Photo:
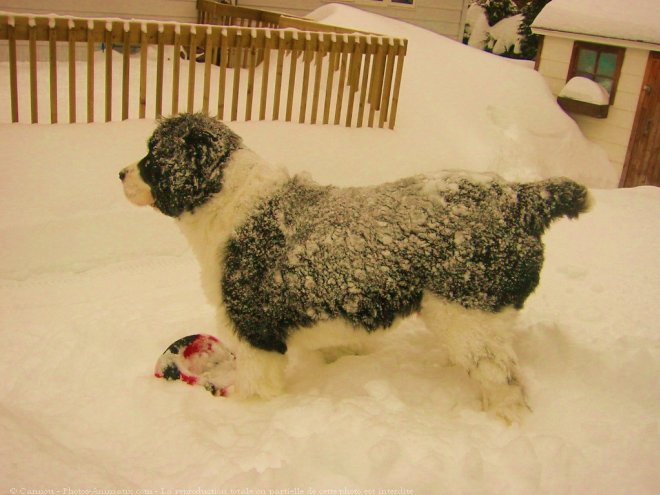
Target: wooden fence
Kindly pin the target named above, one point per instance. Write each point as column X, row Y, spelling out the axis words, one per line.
column 259, row 65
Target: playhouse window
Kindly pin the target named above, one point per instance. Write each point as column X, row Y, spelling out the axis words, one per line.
column 600, row 63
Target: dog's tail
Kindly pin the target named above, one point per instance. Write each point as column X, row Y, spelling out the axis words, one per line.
column 541, row 202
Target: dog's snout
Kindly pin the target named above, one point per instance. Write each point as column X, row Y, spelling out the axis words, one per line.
column 122, row 174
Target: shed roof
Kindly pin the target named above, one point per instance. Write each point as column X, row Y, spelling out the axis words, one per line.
column 632, row 20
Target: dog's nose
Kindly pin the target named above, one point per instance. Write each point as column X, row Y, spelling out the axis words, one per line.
column 122, row 174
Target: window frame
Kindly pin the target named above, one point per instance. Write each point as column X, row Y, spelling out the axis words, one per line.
column 599, row 48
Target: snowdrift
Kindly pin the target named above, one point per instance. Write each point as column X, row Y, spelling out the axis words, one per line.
column 92, row 290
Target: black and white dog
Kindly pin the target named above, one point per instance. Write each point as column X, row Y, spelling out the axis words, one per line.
column 288, row 262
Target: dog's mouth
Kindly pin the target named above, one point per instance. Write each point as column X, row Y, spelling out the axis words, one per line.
column 136, row 190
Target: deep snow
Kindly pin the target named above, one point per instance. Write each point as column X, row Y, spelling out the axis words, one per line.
column 92, row 290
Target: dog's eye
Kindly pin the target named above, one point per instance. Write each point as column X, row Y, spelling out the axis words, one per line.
column 148, row 170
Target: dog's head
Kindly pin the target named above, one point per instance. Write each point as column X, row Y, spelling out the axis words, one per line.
column 184, row 166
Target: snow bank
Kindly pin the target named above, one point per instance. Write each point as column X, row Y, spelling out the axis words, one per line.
column 92, row 290
column 459, row 108
column 637, row 20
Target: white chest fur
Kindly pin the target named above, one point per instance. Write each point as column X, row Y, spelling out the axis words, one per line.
column 247, row 179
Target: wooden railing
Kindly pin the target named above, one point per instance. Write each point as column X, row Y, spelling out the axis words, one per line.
column 269, row 66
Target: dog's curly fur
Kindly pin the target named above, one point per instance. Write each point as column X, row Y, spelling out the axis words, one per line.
column 282, row 254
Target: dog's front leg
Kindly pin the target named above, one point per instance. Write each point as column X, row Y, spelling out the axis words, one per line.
column 258, row 372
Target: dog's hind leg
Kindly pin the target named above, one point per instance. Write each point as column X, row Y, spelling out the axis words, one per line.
column 479, row 341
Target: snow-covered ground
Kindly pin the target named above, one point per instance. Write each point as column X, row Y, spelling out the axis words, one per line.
column 92, row 290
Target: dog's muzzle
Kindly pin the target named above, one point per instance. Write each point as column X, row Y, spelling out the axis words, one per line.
column 136, row 190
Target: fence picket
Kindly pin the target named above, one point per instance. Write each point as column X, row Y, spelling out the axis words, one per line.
column 108, row 72
column 192, row 57
column 308, row 55
column 328, row 87
column 292, row 83
column 52, row 61
column 90, row 71
column 353, row 79
column 317, row 79
column 397, row 84
column 341, row 88
column 72, row 70
column 224, row 56
column 34, row 99
column 237, row 57
column 126, row 71
column 265, row 70
column 176, row 69
column 252, row 59
column 387, row 84
column 208, row 56
column 365, row 84
column 144, row 45
column 278, row 75
column 13, row 70
column 160, row 58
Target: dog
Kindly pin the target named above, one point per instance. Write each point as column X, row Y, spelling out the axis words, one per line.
column 291, row 263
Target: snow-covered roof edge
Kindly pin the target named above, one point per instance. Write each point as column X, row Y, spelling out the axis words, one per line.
column 607, row 21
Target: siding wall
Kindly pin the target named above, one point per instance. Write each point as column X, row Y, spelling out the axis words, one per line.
column 174, row 10
column 612, row 133
column 444, row 17
column 441, row 16
column 160, row 10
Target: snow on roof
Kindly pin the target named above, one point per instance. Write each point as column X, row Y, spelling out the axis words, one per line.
column 633, row 20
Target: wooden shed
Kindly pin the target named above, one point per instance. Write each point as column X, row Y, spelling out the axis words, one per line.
column 615, row 46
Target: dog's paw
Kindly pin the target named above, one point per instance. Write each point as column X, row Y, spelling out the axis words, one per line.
column 259, row 373
column 507, row 402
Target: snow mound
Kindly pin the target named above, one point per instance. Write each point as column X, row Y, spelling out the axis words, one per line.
column 586, row 90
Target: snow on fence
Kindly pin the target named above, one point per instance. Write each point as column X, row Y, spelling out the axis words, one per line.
column 262, row 63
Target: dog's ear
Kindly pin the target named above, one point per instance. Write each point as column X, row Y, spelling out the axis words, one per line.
column 198, row 137
column 202, row 147
column 208, row 144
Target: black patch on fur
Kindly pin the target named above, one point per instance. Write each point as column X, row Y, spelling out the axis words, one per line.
column 185, row 163
column 311, row 253
column 171, row 372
